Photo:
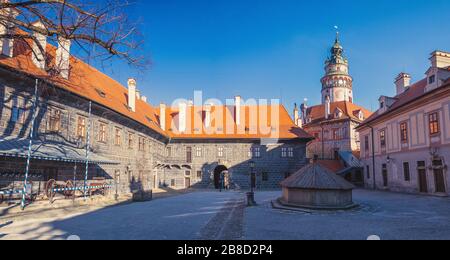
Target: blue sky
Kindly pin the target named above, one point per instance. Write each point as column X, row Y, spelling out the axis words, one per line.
column 276, row 49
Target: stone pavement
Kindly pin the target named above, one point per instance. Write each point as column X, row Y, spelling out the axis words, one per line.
column 212, row 215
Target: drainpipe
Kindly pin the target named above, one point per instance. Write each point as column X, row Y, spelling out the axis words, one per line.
column 373, row 157
column 323, row 142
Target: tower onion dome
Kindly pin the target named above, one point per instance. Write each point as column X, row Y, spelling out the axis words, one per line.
column 337, row 52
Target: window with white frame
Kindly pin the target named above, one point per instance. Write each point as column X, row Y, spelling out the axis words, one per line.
column 291, row 152
column 220, row 151
column 283, row 152
column 198, row 152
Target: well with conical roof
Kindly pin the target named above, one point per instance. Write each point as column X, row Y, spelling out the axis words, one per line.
column 315, row 187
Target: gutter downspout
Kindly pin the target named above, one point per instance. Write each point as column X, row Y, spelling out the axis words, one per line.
column 373, row 157
column 323, row 142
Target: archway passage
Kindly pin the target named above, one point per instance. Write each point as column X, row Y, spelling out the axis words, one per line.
column 217, row 175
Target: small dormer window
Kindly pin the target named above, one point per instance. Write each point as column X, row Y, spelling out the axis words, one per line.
column 381, row 105
column 432, row 79
column 361, row 115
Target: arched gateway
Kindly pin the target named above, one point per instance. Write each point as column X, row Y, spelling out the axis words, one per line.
column 218, row 171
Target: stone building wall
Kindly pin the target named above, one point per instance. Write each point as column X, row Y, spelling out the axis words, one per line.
column 270, row 167
column 134, row 165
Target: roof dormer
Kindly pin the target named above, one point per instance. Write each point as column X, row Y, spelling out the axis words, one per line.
column 439, row 71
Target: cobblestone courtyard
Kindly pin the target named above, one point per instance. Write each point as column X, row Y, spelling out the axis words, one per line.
column 214, row 215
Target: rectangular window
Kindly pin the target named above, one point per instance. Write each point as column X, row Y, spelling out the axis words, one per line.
column 142, row 144
column 102, row 133
column 256, row 152
column 118, row 137
column 383, row 138
column 434, row 123
column 220, row 152
column 199, row 174
column 404, row 132
column 17, row 111
column 265, row 176
column 336, row 134
column 283, row 152
column 187, row 173
column 198, row 152
column 54, row 120
column 169, row 151
column 368, row 172
column 406, row 171
column 291, row 152
column 81, row 127
column 432, row 79
column 130, row 140
column 172, row 182
column 366, row 143
column 188, row 154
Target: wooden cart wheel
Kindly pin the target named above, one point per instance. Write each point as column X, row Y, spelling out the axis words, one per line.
column 69, row 193
column 49, row 189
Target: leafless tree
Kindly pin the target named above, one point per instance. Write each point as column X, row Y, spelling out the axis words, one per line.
column 100, row 28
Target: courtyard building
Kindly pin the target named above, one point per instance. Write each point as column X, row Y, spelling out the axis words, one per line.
column 406, row 143
column 83, row 118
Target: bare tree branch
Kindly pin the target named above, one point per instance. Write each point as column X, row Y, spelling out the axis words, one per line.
column 99, row 28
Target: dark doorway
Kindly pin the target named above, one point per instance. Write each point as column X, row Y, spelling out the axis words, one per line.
column 385, row 176
column 187, row 182
column 422, row 174
column 439, row 178
column 217, row 175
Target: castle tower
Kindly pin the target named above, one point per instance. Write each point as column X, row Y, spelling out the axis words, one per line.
column 337, row 83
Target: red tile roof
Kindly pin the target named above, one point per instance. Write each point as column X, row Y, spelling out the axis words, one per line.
column 349, row 110
column 414, row 92
column 88, row 82
column 253, row 123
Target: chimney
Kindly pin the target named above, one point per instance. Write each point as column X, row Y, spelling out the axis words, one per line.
column 402, row 82
column 327, row 107
column 208, row 109
column 304, row 109
column 296, row 115
column 144, row 98
column 440, row 59
column 191, row 103
column 6, row 44
column 132, row 94
column 138, row 94
column 162, row 116
column 39, row 58
column 238, row 104
column 182, row 117
column 63, row 57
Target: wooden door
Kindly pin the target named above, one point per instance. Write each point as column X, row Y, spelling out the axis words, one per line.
column 187, row 182
column 439, row 180
column 423, row 185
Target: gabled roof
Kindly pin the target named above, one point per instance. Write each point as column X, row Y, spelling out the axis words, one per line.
column 349, row 110
column 89, row 83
